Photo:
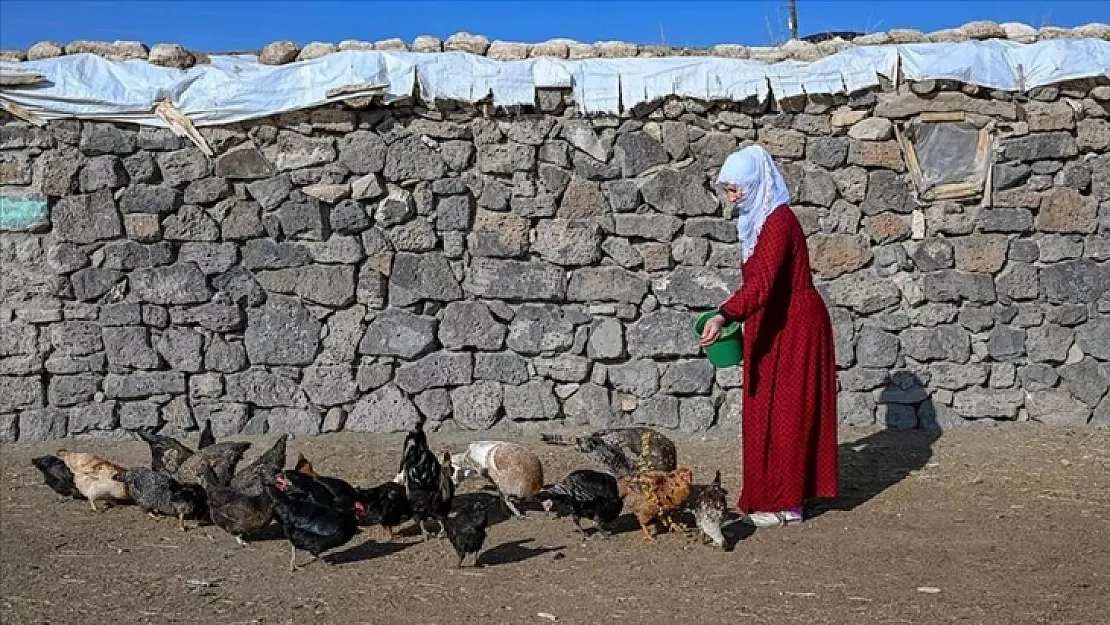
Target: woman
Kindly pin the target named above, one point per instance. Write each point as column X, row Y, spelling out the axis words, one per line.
column 789, row 408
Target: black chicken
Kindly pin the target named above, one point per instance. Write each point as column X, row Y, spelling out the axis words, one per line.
column 166, row 453
column 428, row 484
column 57, row 476
column 327, row 491
column 206, row 437
column 591, row 495
column 623, row 451
column 310, row 526
column 467, row 531
column 158, row 493
column 236, row 513
column 386, row 504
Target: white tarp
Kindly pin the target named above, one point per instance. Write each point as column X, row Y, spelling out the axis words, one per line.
column 237, row 88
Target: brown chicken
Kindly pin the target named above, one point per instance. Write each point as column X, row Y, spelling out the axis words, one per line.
column 303, row 466
column 95, row 477
column 655, row 495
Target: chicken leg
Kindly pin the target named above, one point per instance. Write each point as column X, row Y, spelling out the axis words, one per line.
column 181, row 522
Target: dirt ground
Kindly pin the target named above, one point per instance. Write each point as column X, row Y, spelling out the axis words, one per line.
column 979, row 525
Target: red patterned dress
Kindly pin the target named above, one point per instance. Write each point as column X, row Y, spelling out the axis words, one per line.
column 789, row 414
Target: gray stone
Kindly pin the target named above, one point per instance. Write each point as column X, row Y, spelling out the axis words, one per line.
column 76, row 338
column 696, row 287
column 182, row 166
column 505, row 367
column 263, row 388
column 41, row 425
column 662, row 334
column 409, row 158
column 568, row 242
column 417, row 277
column 415, row 236
column 1039, row 146
column 954, row 286
column 675, row 192
column 270, row 254
column 1075, row 282
column 301, row 219
column 655, row 227
column 372, row 376
column 396, row 208
column 181, row 283
column 515, row 280
column 211, row 258
column 129, row 347
column 976, row 318
column 241, row 221
column 271, row 192
column 228, row 419
column 1006, row 343
column 657, row 411
column 331, row 385
column 498, row 235
column 715, row 228
column 1019, row 281
column 99, row 172
column 88, row 418
column 623, row 195
column 539, row 328
column 86, row 219
column 876, row 348
column 349, row 217
column 470, row 324
column 957, row 377
column 334, row 420
column 296, row 151
column 191, row 223
column 1005, row 220
column 362, row 152
column 55, row 172
column 293, row 421
column 1038, row 377
column 1087, row 380
column 1010, row 175
column 150, row 199
column 206, row 386
column 436, row 370
column 434, row 404
column 887, row 191
column 127, row 255
column 979, row 403
column 687, row 377
column 636, row 152
column 454, row 213
column 70, row 390
column 947, row 343
column 1049, row 343
column 281, row 332
column 696, row 414
column 144, row 384
column 1056, row 408
column 383, row 411
column 181, row 347
column 934, row 254
column 138, row 414
column 531, row 401
column 563, row 368
column 396, row 332
column 243, row 163
column 863, row 292
column 105, row 139
column 606, row 341
column 214, row 316
column 92, row 283
column 327, row 285
column 606, row 284
column 590, row 404
column 1092, row 337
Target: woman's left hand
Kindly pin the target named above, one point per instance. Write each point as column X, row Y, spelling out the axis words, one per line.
column 712, row 330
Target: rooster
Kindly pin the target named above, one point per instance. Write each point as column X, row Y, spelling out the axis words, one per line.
column 428, row 484
column 623, row 451
column 591, row 495
column 95, row 477
column 311, row 526
column 655, row 495
column 709, row 504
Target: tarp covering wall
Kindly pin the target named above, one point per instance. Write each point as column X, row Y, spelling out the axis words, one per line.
column 237, row 88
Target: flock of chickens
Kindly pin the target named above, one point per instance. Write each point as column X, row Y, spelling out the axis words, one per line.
column 318, row 513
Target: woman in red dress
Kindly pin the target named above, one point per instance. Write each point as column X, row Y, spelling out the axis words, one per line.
column 789, row 396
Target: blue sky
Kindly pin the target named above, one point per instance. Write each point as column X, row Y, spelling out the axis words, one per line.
column 244, row 25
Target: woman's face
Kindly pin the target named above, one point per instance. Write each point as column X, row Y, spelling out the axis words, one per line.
column 733, row 194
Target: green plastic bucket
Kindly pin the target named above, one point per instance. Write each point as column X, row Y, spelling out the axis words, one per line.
column 727, row 350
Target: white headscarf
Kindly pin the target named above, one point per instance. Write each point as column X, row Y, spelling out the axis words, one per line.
column 753, row 172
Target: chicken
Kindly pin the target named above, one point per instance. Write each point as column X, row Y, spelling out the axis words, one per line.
column 513, row 468
column 311, row 526
column 428, row 484
column 166, row 452
column 303, row 465
column 467, row 531
column 57, row 476
column 222, row 458
column 158, row 493
column 656, row 495
column 591, row 495
column 623, row 451
column 387, row 504
column 328, row 491
column 252, row 480
column 206, row 439
column 709, row 504
column 234, row 512
column 94, row 477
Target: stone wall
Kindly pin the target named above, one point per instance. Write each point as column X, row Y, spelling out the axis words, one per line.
column 349, row 269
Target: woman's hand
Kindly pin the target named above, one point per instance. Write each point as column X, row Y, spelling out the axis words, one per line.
column 712, row 330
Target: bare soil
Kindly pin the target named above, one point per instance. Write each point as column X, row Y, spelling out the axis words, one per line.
column 980, row 525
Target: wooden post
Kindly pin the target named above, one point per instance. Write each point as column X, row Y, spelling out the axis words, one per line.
column 793, row 19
